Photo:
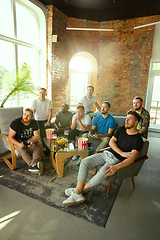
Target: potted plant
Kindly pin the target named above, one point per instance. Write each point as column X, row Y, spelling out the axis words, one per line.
column 21, row 84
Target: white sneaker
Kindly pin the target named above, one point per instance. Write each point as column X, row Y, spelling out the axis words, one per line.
column 75, row 198
column 40, row 167
column 75, row 157
column 69, row 191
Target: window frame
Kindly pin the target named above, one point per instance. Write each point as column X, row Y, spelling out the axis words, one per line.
column 40, row 12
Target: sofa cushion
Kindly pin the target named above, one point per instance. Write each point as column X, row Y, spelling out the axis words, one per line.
column 120, row 121
column 7, row 115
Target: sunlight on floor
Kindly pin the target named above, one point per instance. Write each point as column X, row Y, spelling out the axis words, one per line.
column 5, row 220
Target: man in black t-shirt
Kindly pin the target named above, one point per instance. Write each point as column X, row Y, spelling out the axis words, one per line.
column 125, row 146
column 24, row 134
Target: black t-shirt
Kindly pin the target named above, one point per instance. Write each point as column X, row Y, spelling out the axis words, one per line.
column 126, row 142
column 23, row 132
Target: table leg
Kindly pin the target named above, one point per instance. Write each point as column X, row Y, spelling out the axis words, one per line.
column 58, row 162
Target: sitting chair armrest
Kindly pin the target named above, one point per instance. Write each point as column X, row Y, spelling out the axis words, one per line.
column 145, row 157
column 9, row 142
column 101, row 150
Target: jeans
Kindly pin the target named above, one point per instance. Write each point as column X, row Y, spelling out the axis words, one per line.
column 102, row 159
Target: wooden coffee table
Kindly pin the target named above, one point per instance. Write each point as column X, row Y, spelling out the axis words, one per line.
column 57, row 157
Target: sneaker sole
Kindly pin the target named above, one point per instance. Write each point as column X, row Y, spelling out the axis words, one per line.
column 73, row 203
column 33, row 171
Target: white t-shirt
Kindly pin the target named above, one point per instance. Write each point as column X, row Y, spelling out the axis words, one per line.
column 86, row 120
column 88, row 102
column 41, row 109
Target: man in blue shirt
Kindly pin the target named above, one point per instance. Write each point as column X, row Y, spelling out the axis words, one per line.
column 105, row 123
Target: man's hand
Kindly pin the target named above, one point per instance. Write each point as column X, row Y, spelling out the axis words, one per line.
column 96, row 136
column 47, row 124
column 77, row 118
column 111, row 170
column 21, row 145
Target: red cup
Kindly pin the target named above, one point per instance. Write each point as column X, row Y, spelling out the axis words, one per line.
column 82, row 143
column 49, row 133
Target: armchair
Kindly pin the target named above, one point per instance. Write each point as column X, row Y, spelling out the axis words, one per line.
column 131, row 170
column 7, row 151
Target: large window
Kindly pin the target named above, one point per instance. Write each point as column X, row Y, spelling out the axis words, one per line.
column 153, row 96
column 22, row 39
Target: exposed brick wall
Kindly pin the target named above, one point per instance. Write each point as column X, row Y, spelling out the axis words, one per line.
column 123, row 57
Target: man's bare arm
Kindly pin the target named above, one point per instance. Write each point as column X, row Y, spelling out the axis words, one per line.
column 97, row 106
column 49, row 117
column 11, row 138
column 109, row 134
column 142, row 130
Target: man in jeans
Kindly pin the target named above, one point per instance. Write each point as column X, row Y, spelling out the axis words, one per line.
column 125, row 146
column 24, row 134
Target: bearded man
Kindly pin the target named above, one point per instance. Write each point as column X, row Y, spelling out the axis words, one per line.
column 105, row 124
column 63, row 119
column 125, row 146
column 143, row 125
column 24, row 134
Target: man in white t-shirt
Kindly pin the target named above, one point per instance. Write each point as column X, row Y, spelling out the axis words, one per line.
column 89, row 99
column 42, row 111
column 80, row 124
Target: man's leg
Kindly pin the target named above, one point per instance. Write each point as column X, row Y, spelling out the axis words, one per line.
column 42, row 130
column 88, row 163
column 100, row 159
column 37, row 148
column 103, row 144
column 24, row 154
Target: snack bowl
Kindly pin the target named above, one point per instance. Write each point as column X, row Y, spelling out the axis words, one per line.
column 61, row 141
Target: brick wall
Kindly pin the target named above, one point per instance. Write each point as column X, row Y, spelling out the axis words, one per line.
column 123, row 57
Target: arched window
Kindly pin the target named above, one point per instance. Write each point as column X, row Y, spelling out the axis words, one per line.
column 81, row 69
column 22, row 39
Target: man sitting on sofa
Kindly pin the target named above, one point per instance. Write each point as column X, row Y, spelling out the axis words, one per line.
column 125, row 146
column 24, row 134
column 63, row 119
column 105, row 124
column 80, row 124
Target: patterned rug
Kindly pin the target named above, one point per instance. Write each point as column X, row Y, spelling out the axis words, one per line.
column 49, row 189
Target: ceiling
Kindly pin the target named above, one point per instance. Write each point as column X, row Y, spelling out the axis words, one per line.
column 105, row 10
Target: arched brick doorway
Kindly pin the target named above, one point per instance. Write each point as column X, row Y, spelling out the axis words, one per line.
column 83, row 70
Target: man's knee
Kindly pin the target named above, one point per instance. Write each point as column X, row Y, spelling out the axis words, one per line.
column 39, row 144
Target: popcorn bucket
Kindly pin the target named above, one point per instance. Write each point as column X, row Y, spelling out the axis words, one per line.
column 49, row 133
column 82, row 143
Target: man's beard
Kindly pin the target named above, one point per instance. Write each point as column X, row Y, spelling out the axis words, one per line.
column 25, row 121
column 128, row 127
column 103, row 112
column 137, row 109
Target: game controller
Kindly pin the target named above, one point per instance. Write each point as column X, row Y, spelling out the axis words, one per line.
column 27, row 143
